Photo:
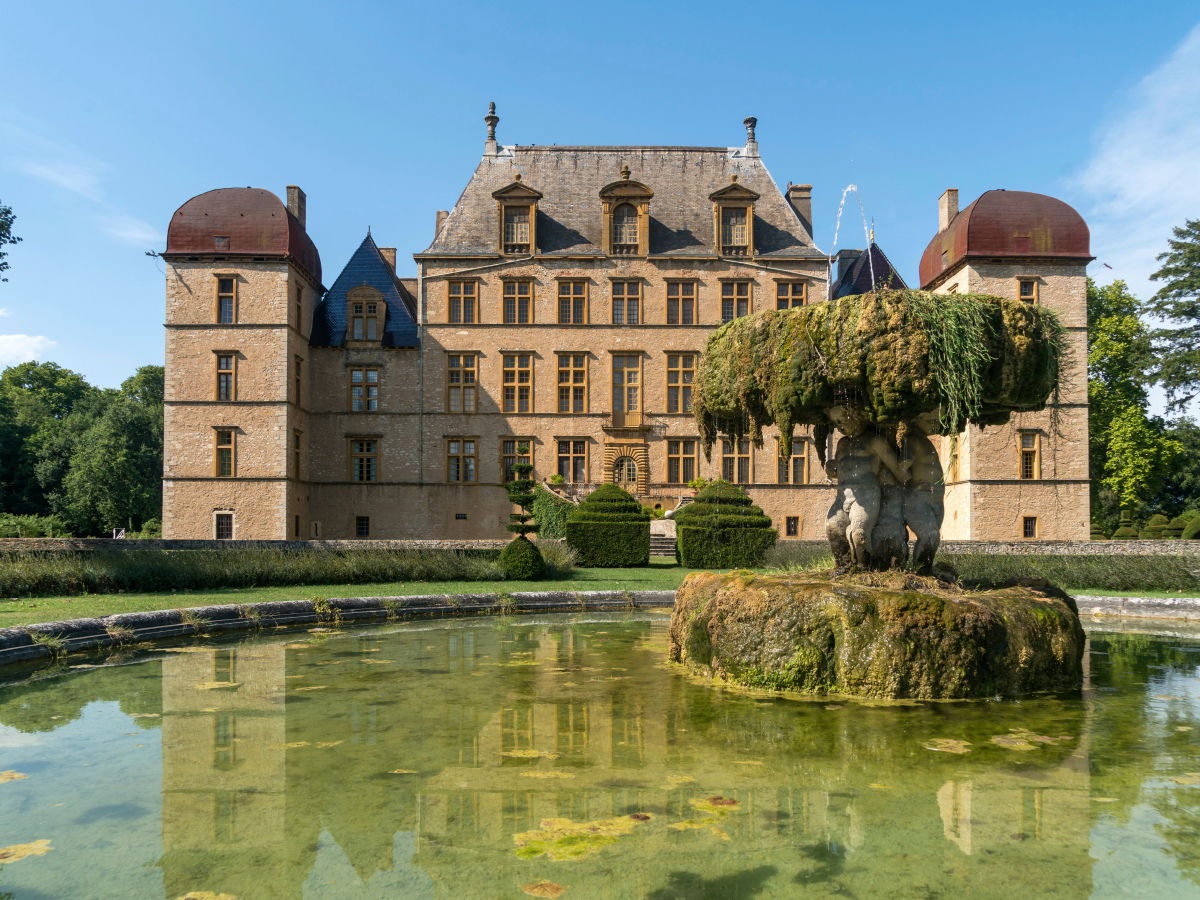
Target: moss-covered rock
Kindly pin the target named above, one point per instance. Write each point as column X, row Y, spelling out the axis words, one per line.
column 722, row 529
column 610, row 529
column 522, row 561
column 814, row 636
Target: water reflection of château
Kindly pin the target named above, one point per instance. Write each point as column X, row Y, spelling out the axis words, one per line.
column 244, row 813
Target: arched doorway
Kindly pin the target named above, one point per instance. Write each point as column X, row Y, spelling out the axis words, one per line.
column 625, row 473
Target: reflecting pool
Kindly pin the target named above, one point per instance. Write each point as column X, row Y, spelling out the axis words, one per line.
column 563, row 756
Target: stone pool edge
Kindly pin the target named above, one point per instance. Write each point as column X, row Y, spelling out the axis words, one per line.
column 21, row 643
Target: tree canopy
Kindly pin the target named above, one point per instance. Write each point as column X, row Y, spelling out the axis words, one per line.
column 1177, row 302
column 6, row 236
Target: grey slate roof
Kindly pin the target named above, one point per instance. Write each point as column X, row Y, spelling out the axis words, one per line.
column 857, row 278
column 569, row 214
column 367, row 266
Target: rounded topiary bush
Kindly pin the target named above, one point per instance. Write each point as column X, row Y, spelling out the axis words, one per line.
column 1126, row 532
column 522, row 561
column 610, row 529
column 1154, row 528
column 1098, row 532
column 1192, row 531
column 722, row 528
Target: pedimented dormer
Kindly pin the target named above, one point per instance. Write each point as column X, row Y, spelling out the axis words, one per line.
column 516, row 210
column 625, row 206
column 733, row 219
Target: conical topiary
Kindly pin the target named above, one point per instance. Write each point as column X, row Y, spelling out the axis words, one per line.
column 1154, row 528
column 1126, row 531
column 722, row 528
column 610, row 529
column 1098, row 532
column 525, row 558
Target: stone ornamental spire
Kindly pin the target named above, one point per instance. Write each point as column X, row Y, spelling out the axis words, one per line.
column 490, row 147
column 751, row 142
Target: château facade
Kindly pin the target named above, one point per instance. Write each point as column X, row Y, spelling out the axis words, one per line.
column 557, row 315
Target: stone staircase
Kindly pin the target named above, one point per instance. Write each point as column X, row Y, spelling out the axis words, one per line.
column 662, row 545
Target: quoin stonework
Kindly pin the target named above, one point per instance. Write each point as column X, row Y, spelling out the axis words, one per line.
column 558, row 315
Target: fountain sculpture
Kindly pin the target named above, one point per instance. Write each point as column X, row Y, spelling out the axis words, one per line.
column 889, row 371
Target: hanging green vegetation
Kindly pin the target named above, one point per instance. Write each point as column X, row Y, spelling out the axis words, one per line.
column 892, row 354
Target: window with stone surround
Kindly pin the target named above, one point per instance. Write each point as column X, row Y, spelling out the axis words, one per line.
column 362, row 526
column 299, row 307
column 681, row 303
column 793, row 469
column 296, row 459
column 223, row 526
column 626, row 300
column 792, row 526
column 464, row 303
column 461, row 382
column 364, row 459
column 364, row 390
column 572, row 383
column 572, row 303
column 226, row 305
column 735, row 300
column 516, row 229
column 1029, row 527
column 297, row 364
column 225, row 453
column 514, row 450
column 517, row 387
column 1029, row 463
column 625, row 229
column 518, row 302
column 1027, row 290
column 572, row 460
column 626, row 389
column 681, row 460
column 365, row 319
column 681, row 370
column 460, row 460
column 735, row 236
column 736, row 461
column 226, row 384
column 790, row 294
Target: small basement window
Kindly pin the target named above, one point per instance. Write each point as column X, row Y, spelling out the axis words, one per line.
column 362, row 526
column 1029, row 527
column 460, row 515
column 792, row 524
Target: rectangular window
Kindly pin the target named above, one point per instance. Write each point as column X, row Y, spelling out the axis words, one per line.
column 364, row 321
column 224, row 526
column 364, row 460
column 789, row 295
column 681, row 461
column 518, row 384
column 1030, row 464
column 625, row 302
column 299, row 308
column 513, row 451
column 226, row 377
column 794, row 469
column 362, row 526
column 572, row 302
column 463, row 306
column 681, row 369
column 460, row 460
column 226, row 301
column 516, row 229
column 517, row 302
column 298, row 382
column 460, row 382
column 735, row 467
column 572, row 461
column 572, row 383
column 1029, row 527
column 681, row 303
column 792, row 526
column 226, row 463
column 1027, row 290
column 735, row 236
column 626, row 390
column 296, row 530
column 735, row 300
column 296, row 457
column 364, row 390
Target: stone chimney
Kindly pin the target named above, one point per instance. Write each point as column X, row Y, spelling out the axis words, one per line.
column 296, row 203
column 800, row 196
column 751, row 142
column 947, row 209
column 846, row 259
column 490, row 147
column 442, row 214
column 389, row 257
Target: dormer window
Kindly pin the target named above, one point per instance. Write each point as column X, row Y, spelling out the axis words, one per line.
column 516, row 205
column 735, row 239
column 733, row 219
column 516, row 229
column 364, row 317
column 625, row 229
column 625, row 206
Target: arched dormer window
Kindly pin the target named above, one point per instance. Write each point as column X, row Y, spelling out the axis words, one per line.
column 626, row 209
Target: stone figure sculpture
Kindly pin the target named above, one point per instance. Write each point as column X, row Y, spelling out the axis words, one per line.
column 889, row 370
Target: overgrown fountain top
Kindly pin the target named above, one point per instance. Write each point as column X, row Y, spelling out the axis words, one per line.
column 892, row 355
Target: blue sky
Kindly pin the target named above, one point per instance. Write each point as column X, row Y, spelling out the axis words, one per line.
column 111, row 116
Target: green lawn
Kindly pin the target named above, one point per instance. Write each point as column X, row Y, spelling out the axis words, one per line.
column 1098, row 592
column 663, row 574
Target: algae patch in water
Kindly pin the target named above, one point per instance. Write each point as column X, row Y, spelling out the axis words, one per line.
column 716, row 810
column 1023, row 739
column 543, row 888
column 562, row 839
column 206, row 895
column 948, row 745
column 20, row 851
column 539, row 774
column 10, row 775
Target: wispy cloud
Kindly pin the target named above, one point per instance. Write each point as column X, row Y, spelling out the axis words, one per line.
column 19, row 348
column 3, row 312
column 80, row 179
column 129, row 230
column 1145, row 172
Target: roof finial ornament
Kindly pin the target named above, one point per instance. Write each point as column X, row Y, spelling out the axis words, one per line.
column 625, row 171
column 490, row 147
column 751, row 141
column 733, row 178
column 517, row 176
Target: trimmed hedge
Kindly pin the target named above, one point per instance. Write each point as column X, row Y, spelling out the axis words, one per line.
column 722, row 529
column 609, row 529
column 1154, row 528
column 550, row 512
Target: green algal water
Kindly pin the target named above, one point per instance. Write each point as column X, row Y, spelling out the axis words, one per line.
column 564, row 756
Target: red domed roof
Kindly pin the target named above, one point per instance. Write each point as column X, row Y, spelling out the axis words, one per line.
column 1009, row 224
column 242, row 222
